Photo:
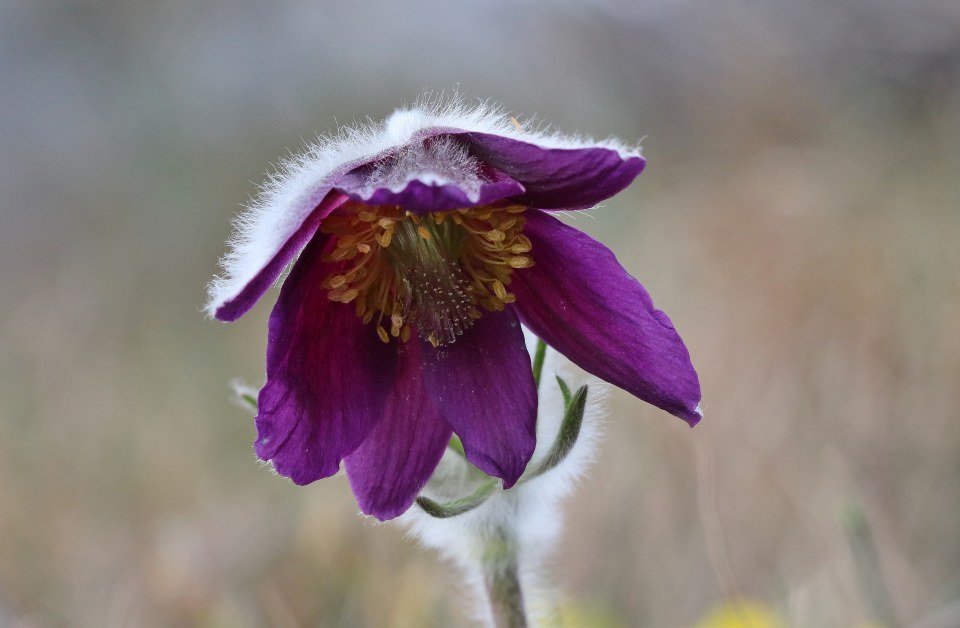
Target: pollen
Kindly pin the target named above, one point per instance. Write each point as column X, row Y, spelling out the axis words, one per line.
column 433, row 274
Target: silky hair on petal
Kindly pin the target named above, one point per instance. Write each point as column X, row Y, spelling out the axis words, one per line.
column 288, row 196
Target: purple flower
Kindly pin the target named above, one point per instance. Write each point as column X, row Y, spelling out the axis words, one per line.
column 424, row 243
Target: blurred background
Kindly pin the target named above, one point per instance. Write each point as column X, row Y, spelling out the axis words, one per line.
column 799, row 220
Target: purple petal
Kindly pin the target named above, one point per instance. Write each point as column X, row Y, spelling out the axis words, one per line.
column 558, row 178
column 248, row 296
column 328, row 377
column 422, row 196
column 399, row 455
column 584, row 304
column 484, row 388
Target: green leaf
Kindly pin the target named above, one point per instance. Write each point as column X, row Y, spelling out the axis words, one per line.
column 250, row 400
column 564, row 390
column 457, row 445
column 538, row 357
column 569, row 429
column 457, row 506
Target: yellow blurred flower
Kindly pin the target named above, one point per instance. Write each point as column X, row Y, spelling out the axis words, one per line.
column 574, row 615
column 741, row 614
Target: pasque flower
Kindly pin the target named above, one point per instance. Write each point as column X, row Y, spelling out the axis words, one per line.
column 424, row 242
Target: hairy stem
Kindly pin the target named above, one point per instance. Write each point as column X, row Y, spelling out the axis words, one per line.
column 867, row 563
column 502, row 582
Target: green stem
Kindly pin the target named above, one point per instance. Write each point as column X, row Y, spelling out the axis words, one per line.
column 501, row 577
column 502, row 581
column 867, row 563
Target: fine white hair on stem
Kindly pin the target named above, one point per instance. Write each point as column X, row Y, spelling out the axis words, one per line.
column 529, row 513
column 288, row 195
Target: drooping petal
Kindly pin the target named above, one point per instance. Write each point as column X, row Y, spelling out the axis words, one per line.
column 400, row 454
column 238, row 305
column 581, row 301
column 327, row 377
column 558, row 172
column 558, row 178
column 483, row 386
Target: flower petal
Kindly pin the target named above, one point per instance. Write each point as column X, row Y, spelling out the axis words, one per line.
column 430, row 194
column 582, row 302
column 558, row 178
column 400, row 454
column 238, row 305
column 483, row 386
column 429, row 173
column 327, row 377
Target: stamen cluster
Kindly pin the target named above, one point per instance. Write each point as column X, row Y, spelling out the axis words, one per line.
column 432, row 272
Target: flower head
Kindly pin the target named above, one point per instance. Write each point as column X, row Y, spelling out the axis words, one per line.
column 423, row 243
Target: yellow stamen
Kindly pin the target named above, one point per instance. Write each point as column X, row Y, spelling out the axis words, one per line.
column 499, row 290
column 520, row 261
column 335, row 282
column 339, row 254
column 523, row 245
column 385, row 238
column 424, row 271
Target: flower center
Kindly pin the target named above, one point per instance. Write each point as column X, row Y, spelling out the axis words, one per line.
column 434, row 272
